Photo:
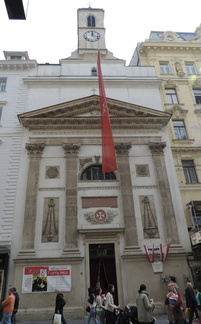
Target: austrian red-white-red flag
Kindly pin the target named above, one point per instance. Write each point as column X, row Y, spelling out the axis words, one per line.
column 108, row 151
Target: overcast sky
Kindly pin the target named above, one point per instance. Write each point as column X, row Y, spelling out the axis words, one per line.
column 50, row 31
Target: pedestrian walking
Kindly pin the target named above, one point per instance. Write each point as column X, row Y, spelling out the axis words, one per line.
column 198, row 299
column 145, row 306
column 191, row 301
column 8, row 306
column 110, row 306
column 16, row 305
column 59, row 305
column 174, row 310
column 92, row 305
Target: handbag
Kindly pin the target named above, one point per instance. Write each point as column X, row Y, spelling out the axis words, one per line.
column 88, row 309
column 57, row 319
column 187, row 312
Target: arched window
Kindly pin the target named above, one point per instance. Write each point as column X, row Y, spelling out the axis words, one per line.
column 94, row 172
column 94, row 71
column 91, row 22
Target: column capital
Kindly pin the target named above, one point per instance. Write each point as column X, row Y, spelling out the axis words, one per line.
column 122, row 148
column 157, row 148
column 34, row 149
column 71, row 148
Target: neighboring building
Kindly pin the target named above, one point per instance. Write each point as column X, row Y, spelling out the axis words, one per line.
column 13, row 99
column 176, row 57
column 68, row 215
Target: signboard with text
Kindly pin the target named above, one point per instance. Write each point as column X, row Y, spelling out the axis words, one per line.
column 46, row 279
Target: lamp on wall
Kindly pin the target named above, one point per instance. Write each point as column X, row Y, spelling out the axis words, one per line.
column 187, row 278
column 164, row 279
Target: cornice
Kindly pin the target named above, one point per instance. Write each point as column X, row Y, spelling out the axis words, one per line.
column 12, row 65
column 186, row 149
column 183, row 142
column 167, row 46
column 136, row 79
column 94, row 123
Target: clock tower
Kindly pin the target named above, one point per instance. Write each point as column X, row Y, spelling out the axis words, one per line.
column 91, row 31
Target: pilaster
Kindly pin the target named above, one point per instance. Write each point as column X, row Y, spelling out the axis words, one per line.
column 71, row 232
column 157, row 150
column 131, row 238
column 34, row 152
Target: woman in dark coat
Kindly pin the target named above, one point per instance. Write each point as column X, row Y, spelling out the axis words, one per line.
column 59, row 304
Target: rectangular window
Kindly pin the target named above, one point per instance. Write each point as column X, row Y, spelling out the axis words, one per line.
column 180, row 129
column 165, row 68
column 197, row 94
column 3, row 84
column 190, row 68
column 189, row 171
column 16, row 57
column 171, row 96
column 1, row 112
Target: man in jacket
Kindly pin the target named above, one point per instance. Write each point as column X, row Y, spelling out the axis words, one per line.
column 191, row 301
column 8, row 306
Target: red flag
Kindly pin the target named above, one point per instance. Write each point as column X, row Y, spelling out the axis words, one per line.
column 164, row 251
column 108, row 151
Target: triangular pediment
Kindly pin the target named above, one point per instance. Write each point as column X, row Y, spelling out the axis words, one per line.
column 86, row 111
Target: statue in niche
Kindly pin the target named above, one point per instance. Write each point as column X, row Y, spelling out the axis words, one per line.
column 149, row 217
column 50, row 228
column 179, row 70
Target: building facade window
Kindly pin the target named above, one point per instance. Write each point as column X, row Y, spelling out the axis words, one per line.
column 197, row 95
column 190, row 68
column 94, row 71
column 91, row 21
column 180, row 129
column 3, row 84
column 164, row 68
column 16, row 57
column 95, row 173
column 171, row 96
column 189, row 171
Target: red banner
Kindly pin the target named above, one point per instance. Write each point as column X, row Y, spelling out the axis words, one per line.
column 108, row 150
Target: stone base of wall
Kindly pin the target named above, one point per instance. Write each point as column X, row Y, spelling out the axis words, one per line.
column 45, row 314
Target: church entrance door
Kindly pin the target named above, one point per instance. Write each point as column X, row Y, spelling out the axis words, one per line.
column 103, row 267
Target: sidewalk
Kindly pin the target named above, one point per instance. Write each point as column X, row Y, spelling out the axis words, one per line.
column 160, row 319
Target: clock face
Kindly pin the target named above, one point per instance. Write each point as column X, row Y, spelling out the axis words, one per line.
column 92, row 36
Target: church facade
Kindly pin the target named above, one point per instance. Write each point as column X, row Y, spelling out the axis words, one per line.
column 73, row 226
